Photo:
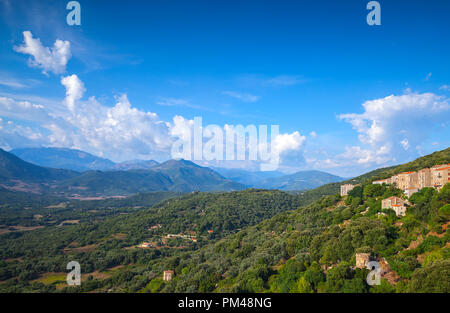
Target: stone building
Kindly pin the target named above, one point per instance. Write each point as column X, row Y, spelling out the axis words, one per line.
column 407, row 180
column 439, row 175
column 168, row 275
column 424, row 178
column 400, row 210
column 394, row 180
column 395, row 203
column 345, row 189
column 362, row 260
column 411, row 182
column 388, row 202
column 410, row 191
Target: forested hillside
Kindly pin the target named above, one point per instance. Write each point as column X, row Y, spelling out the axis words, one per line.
column 313, row 249
column 19, row 209
column 103, row 244
column 244, row 241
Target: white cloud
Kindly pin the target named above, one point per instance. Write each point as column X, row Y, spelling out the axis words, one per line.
column 288, row 142
column 119, row 132
column 428, row 76
column 22, row 110
column 313, row 134
column 14, row 135
column 290, row 149
column 445, row 87
column 242, row 96
column 352, row 162
column 49, row 59
column 12, row 84
column 389, row 126
column 74, row 90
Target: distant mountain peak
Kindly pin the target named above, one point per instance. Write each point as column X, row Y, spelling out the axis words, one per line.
column 65, row 158
column 179, row 162
column 135, row 165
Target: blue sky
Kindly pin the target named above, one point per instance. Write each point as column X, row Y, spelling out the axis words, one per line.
column 298, row 64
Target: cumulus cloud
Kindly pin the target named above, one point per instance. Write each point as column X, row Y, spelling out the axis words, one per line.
column 284, row 143
column 22, row 109
column 119, row 132
column 48, row 59
column 389, row 127
column 290, row 148
column 352, row 162
column 74, row 90
column 14, row 135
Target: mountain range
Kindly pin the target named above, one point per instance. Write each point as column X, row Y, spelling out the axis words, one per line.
column 277, row 180
column 135, row 165
column 65, row 158
column 173, row 175
column 14, row 168
column 85, row 174
column 248, row 178
column 77, row 160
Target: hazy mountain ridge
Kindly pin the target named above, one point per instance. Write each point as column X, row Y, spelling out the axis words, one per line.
column 12, row 167
column 76, row 160
column 173, row 175
column 63, row 158
column 135, row 165
column 278, row 180
column 181, row 176
column 80, row 161
column 248, row 178
column 301, row 180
